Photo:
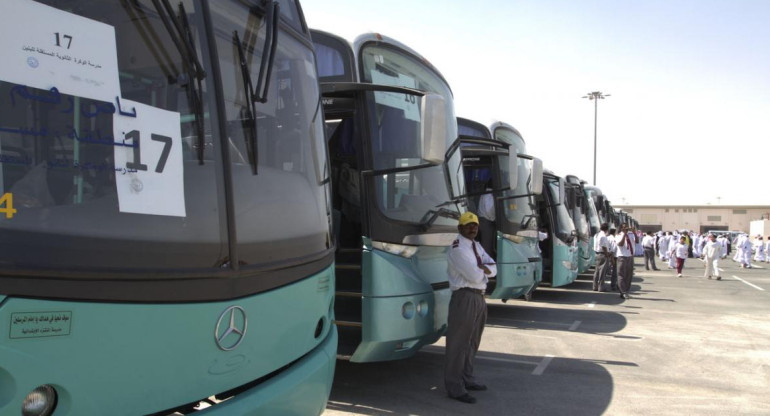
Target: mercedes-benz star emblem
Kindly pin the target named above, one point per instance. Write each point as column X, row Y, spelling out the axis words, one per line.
column 231, row 328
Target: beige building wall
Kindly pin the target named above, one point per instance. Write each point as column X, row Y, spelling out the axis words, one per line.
column 696, row 217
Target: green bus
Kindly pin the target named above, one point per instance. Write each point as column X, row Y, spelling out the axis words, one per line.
column 498, row 170
column 167, row 244
column 560, row 248
column 396, row 193
column 586, row 221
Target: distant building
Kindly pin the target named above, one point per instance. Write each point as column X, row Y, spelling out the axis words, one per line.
column 700, row 218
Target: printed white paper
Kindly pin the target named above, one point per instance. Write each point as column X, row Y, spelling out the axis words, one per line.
column 48, row 48
column 408, row 103
column 149, row 167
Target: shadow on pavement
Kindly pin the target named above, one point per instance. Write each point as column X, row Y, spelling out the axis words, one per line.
column 555, row 319
column 416, row 386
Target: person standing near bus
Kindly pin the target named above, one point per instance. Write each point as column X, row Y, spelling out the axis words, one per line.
column 680, row 253
column 612, row 238
column 712, row 252
column 602, row 249
column 487, row 228
column 648, row 245
column 469, row 269
column 625, row 253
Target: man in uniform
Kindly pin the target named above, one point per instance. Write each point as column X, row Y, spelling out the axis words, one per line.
column 625, row 265
column 648, row 245
column 469, row 269
column 601, row 247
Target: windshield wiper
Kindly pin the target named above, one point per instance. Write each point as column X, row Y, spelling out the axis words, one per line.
column 259, row 94
column 181, row 35
column 268, row 55
column 434, row 214
column 249, row 120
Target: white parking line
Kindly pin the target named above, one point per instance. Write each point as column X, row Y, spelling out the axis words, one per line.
column 575, row 325
column 591, row 305
column 750, row 284
column 543, row 364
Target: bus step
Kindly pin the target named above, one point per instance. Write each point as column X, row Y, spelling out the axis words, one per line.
column 347, row 266
column 348, row 324
column 348, row 294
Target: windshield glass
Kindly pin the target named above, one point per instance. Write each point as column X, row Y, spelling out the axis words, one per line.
column 562, row 220
column 593, row 215
column 108, row 163
column 511, row 137
column 394, row 129
column 282, row 211
column 577, row 214
column 520, row 217
column 98, row 140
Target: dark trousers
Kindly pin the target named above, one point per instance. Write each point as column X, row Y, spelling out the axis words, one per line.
column 679, row 265
column 488, row 236
column 614, row 273
column 649, row 258
column 467, row 317
column 625, row 273
column 600, row 271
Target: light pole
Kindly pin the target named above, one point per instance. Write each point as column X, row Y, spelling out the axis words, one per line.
column 596, row 96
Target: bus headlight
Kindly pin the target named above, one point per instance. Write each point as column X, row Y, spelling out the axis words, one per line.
column 40, row 402
column 397, row 249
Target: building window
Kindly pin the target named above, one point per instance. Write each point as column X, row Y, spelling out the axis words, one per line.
column 717, row 218
column 666, row 210
column 676, row 210
column 739, row 211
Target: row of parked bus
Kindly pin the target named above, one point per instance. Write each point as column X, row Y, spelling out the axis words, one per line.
column 207, row 203
column 404, row 168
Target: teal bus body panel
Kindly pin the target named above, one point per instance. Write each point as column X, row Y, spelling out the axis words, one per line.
column 516, row 275
column 139, row 350
column 565, row 264
column 584, row 256
column 401, row 310
column 302, row 390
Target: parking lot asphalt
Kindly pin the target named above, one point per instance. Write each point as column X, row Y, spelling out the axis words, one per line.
column 679, row 346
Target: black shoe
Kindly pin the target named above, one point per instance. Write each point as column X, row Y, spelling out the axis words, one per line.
column 466, row 398
column 476, row 387
column 656, row 269
column 626, row 296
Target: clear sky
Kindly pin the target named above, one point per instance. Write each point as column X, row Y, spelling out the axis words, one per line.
column 688, row 119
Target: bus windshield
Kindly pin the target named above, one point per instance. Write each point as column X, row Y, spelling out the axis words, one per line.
column 125, row 172
column 564, row 224
column 593, row 215
column 394, row 128
column 578, row 214
column 520, row 216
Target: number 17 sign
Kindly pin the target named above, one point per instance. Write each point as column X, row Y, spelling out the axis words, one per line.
column 149, row 171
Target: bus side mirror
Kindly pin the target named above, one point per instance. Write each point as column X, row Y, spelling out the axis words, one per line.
column 433, row 134
column 562, row 192
column 537, row 176
column 513, row 166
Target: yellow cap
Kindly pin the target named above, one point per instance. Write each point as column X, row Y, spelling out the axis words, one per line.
column 468, row 217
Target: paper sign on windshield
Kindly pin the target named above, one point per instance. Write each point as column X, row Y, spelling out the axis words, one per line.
column 406, row 102
column 149, row 170
column 49, row 48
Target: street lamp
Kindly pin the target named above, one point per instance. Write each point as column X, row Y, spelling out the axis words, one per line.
column 596, row 96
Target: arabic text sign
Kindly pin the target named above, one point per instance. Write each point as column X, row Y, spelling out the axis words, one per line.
column 40, row 324
column 48, row 47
